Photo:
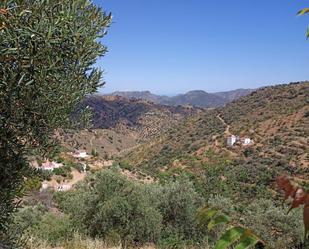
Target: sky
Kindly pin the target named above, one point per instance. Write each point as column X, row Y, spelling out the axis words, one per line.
column 173, row 46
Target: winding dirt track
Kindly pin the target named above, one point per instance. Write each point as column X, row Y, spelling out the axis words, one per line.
column 227, row 129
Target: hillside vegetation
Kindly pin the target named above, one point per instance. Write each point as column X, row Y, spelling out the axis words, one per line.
column 276, row 118
column 120, row 124
column 153, row 194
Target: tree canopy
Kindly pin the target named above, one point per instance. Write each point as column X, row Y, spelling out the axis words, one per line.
column 47, row 53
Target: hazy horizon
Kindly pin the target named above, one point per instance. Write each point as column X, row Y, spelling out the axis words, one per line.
column 179, row 93
column 174, row 94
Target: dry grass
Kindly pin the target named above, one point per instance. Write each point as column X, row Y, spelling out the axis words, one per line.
column 78, row 242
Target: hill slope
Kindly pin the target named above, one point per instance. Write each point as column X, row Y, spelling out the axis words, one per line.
column 120, row 124
column 276, row 118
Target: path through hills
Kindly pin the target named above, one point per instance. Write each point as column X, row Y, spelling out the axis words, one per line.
column 227, row 129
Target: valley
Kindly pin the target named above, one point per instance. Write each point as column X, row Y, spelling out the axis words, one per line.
column 162, row 141
column 153, row 125
column 147, row 146
column 121, row 124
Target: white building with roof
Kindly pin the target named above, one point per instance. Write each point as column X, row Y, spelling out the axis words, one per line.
column 50, row 166
column 81, row 154
column 246, row 141
column 231, row 140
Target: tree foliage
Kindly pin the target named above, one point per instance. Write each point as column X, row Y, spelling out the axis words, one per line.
column 47, row 53
column 108, row 203
column 299, row 198
column 303, row 12
column 240, row 237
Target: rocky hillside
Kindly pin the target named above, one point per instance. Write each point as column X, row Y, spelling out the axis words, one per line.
column 196, row 98
column 112, row 111
column 120, row 124
column 275, row 118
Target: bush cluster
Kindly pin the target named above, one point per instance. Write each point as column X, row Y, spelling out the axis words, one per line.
column 108, row 205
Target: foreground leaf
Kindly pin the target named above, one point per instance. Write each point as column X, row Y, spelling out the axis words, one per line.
column 205, row 214
column 247, row 240
column 218, row 220
column 298, row 195
column 229, row 237
column 303, row 11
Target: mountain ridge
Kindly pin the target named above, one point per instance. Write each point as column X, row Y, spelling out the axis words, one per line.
column 198, row 98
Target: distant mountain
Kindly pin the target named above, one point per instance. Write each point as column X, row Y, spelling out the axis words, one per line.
column 234, row 94
column 196, row 98
column 145, row 95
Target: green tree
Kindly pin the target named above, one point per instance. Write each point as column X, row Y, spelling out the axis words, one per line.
column 47, row 53
column 107, row 203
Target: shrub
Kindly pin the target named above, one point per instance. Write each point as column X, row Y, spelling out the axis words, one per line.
column 53, row 228
column 113, row 204
column 108, row 204
column 269, row 221
column 178, row 204
column 273, row 224
column 37, row 222
column 79, row 167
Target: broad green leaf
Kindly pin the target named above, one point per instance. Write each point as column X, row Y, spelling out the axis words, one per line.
column 218, row 220
column 211, row 213
column 247, row 240
column 205, row 214
column 303, row 11
column 229, row 237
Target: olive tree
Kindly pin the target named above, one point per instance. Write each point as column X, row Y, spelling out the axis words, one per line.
column 47, row 53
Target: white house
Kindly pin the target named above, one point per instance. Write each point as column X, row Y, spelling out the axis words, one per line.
column 246, row 141
column 81, row 154
column 50, row 166
column 64, row 187
column 231, row 140
column 45, row 185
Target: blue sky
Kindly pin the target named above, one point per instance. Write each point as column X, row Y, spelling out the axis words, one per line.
column 172, row 46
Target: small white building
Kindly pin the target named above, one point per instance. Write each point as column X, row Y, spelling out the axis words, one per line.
column 246, row 141
column 231, row 140
column 50, row 166
column 64, row 187
column 81, row 154
column 45, row 185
